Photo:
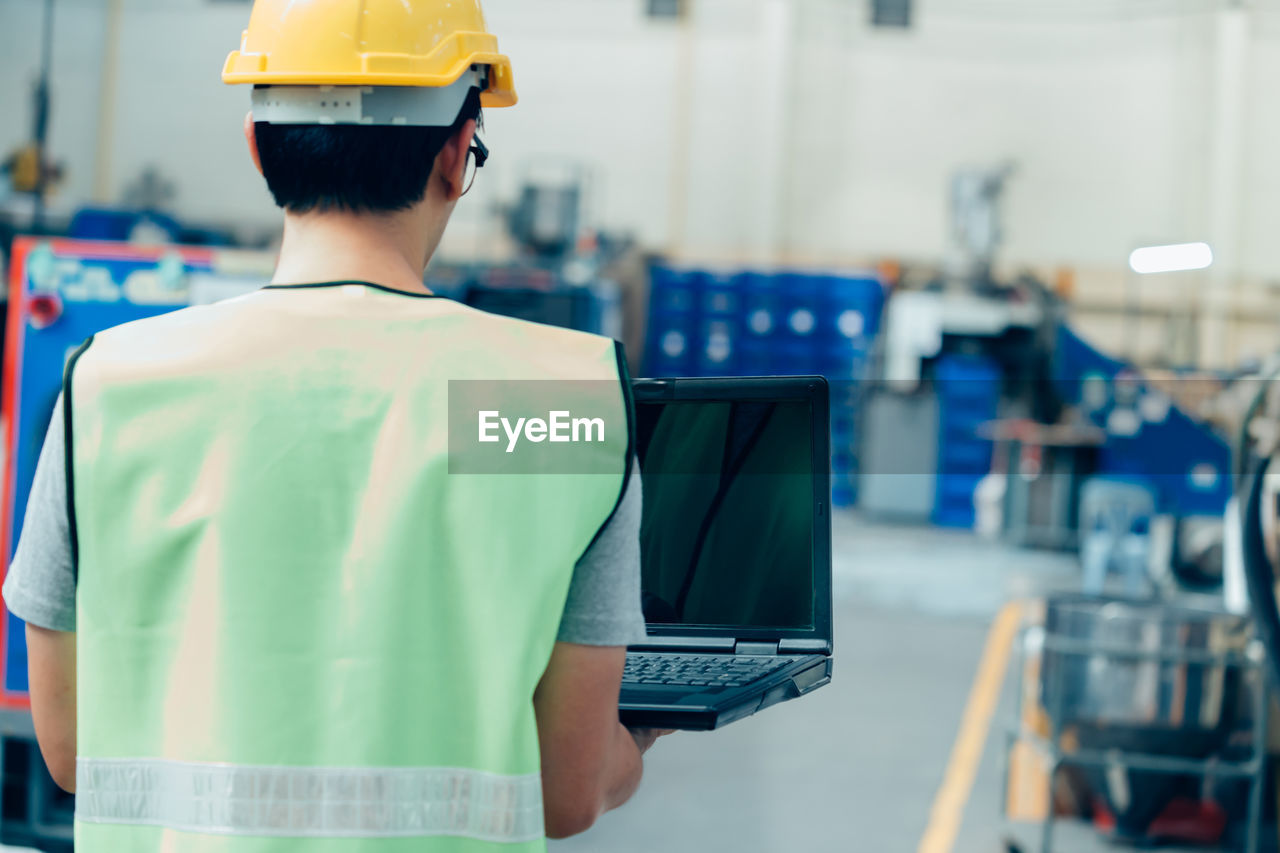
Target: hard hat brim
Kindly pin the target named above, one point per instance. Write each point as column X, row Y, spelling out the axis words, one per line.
column 386, row 70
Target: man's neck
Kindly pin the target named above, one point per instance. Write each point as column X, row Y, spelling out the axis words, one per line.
column 390, row 249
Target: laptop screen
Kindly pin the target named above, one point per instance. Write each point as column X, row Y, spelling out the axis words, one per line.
column 728, row 525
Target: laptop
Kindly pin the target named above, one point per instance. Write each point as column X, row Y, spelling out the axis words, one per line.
column 735, row 549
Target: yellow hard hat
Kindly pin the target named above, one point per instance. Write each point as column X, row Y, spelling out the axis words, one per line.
column 426, row 43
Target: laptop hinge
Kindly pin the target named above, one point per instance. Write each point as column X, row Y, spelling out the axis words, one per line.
column 743, row 647
column 807, row 646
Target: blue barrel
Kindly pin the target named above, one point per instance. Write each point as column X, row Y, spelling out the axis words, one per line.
column 671, row 342
column 968, row 394
column 853, row 305
column 760, row 317
column 717, row 353
column 844, row 458
column 761, row 302
column 757, row 357
column 802, row 298
column 844, row 361
column 670, row 351
column 672, row 291
column 801, row 302
column 795, row 357
column 719, row 295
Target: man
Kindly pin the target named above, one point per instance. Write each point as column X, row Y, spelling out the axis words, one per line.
column 262, row 613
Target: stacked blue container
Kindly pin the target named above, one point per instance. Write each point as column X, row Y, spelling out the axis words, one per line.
column 968, row 395
column 754, row 323
column 848, row 320
column 719, row 324
column 761, row 320
column 670, row 344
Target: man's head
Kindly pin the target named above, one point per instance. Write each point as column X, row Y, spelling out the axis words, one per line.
column 369, row 135
column 380, row 169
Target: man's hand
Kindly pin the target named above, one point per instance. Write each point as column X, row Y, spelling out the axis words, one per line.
column 645, row 738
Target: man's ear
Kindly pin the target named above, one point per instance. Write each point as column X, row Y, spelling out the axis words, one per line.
column 451, row 162
column 252, row 138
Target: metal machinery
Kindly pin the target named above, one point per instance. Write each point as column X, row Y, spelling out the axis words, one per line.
column 960, row 349
column 976, row 223
column 1156, row 708
column 60, row 292
column 1256, row 554
column 560, row 275
column 1018, row 411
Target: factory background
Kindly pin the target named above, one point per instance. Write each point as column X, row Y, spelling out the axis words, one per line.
column 1031, row 245
column 759, row 131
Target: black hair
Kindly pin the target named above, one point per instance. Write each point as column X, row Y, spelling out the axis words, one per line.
column 356, row 168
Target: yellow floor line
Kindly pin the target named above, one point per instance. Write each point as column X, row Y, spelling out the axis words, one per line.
column 948, row 805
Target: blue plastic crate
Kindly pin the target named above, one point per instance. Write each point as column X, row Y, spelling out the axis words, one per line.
column 719, row 295
column 965, row 378
column 117, row 224
column 757, row 357
column 968, row 395
column 796, row 357
column 965, row 457
column 963, row 424
column 844, row 492
column 852, row 308
column 717, row 353
column 671, row 349
column 672, row 291
column 844, row 394
column 802, row 303
column 755, row 323
column 760, row 304
column 953, row 506
column 843, row 360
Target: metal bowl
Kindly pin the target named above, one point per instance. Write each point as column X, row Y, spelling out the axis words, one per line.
column 1143, row 668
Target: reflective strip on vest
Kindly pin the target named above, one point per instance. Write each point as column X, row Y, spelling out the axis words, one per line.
column 388, row 802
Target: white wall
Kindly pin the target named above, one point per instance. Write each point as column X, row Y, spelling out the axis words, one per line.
column 596, row 84
column 832, row 141
column 77, row 60
column 1088, row 113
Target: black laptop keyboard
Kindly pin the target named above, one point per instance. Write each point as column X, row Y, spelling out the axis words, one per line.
column 698, row 670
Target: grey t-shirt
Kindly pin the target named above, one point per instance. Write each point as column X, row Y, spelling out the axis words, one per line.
column 603, row 607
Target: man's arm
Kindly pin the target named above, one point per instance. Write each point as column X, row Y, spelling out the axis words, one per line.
column 51, row 668
column 40, row 589
column 590, row 762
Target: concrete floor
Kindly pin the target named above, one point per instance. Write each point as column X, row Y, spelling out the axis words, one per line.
column 856, row 766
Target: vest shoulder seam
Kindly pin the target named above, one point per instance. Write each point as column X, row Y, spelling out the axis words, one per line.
column 624, row 380
column 69, row 452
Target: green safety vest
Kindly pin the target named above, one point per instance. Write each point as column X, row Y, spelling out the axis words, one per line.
column 297, row 629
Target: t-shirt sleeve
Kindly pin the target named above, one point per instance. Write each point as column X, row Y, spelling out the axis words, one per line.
column 603, row 607
column 40, row 586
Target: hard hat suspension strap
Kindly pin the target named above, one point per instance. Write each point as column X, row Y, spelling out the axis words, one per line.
column 410, row 106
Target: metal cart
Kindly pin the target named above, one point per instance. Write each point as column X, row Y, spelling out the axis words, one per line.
column 1176, row 661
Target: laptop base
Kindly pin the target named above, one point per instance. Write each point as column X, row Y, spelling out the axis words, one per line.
column 659, row 706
